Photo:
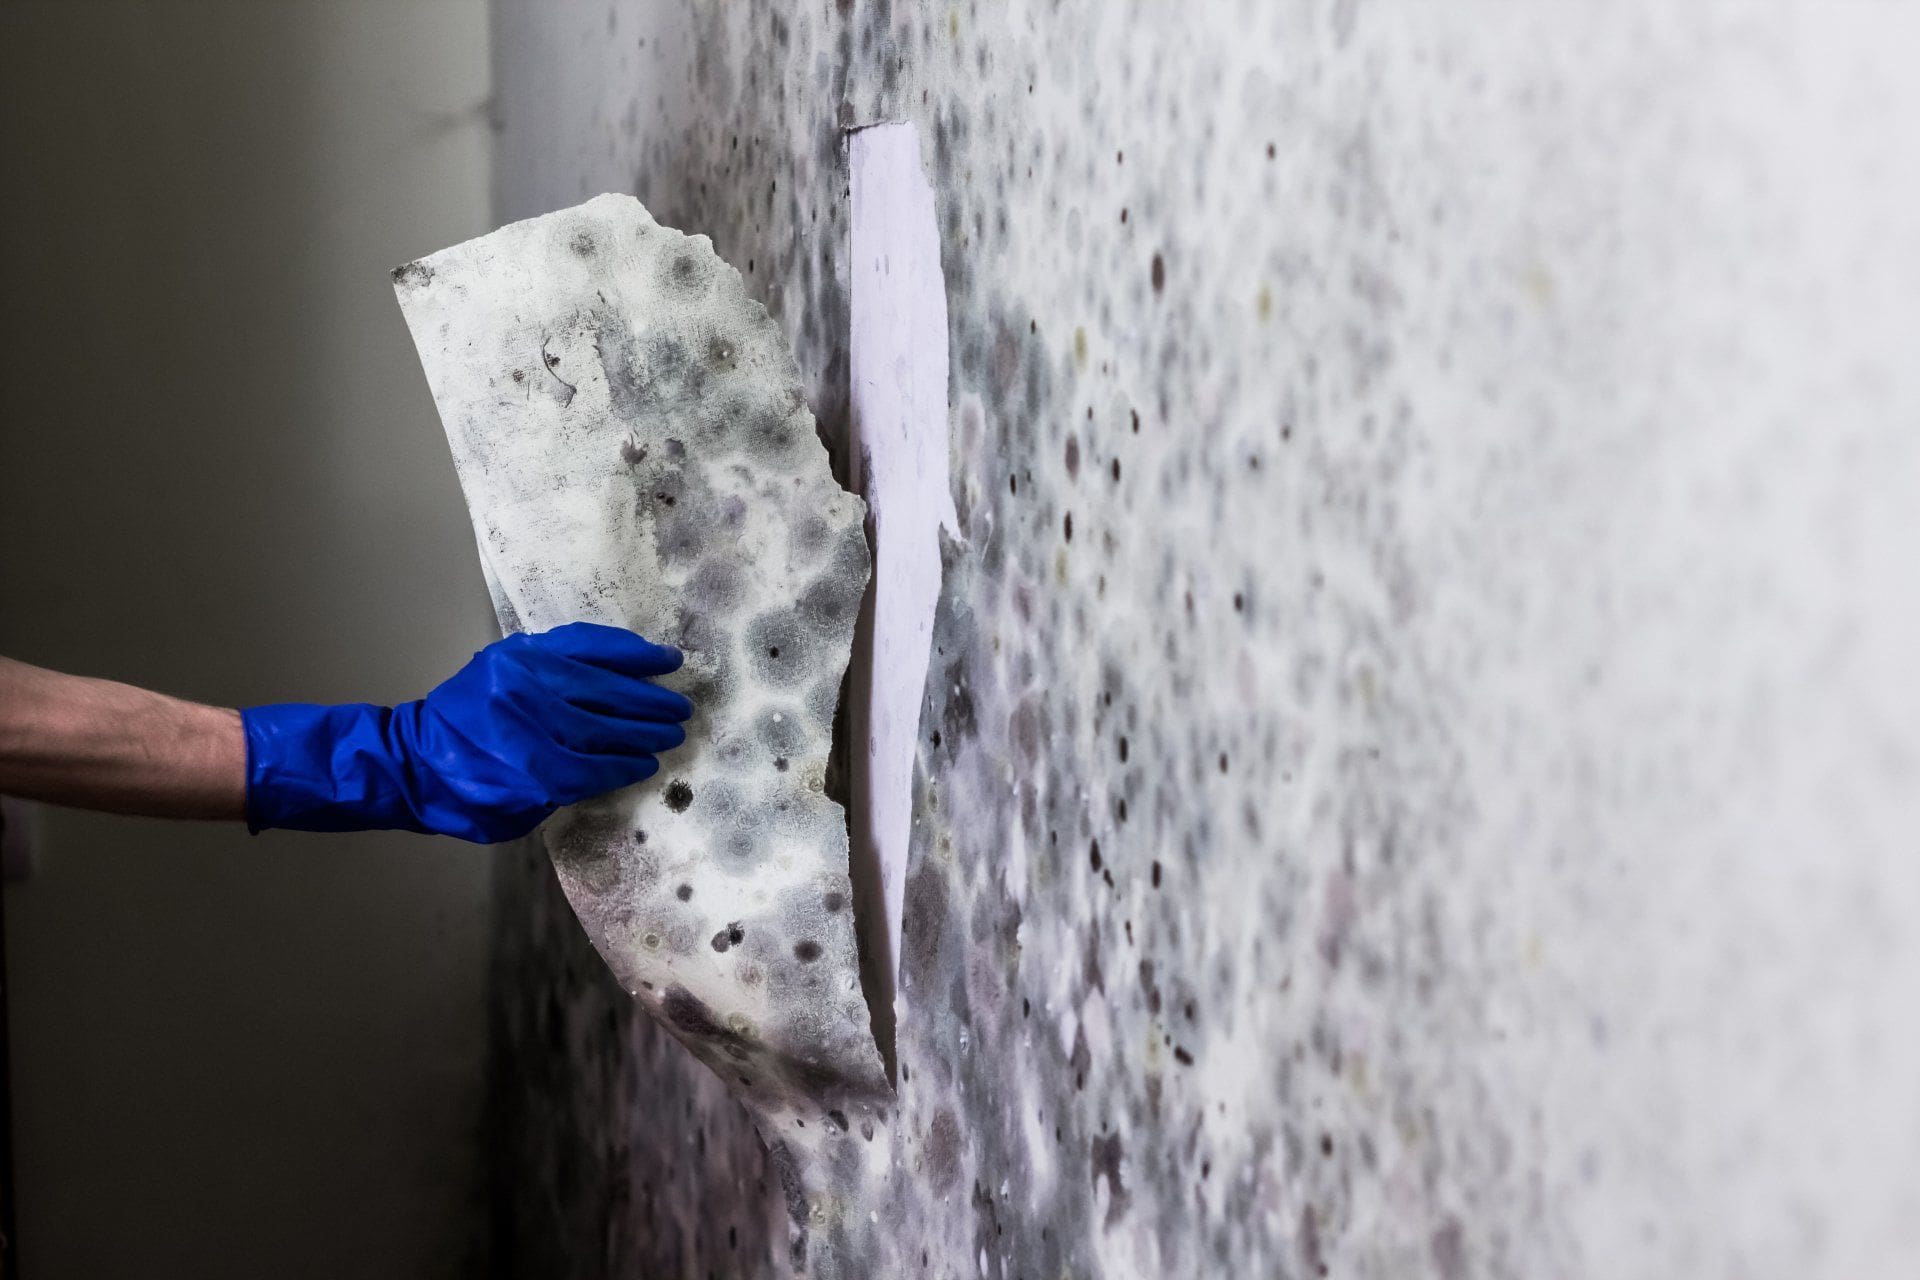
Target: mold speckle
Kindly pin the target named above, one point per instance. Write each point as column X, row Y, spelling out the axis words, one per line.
column 413, row 274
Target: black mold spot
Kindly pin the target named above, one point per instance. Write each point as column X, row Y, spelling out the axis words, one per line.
column 1159, row 273
column 413, row 274
column 582, row 244
column 679, row 796
column 684, row 1011
column 731, row 936
column 806, row 951
column 943, row 1150
column 684, row 892
column 1105, row 1157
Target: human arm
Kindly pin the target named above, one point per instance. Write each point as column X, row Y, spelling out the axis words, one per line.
column 531, row 723
column 99, row 744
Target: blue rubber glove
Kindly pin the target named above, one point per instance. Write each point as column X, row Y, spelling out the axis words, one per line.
column 532, row 723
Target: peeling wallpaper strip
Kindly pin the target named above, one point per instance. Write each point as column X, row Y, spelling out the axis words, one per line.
column 635, row 448
column 897, row 346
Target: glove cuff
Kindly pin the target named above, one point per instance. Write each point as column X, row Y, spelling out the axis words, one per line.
column 315, row 768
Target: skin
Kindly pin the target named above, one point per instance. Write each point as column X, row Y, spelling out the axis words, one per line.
column 98, row 744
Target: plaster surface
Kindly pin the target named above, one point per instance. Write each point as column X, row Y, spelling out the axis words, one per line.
column 1418, row 771
column 897, row 366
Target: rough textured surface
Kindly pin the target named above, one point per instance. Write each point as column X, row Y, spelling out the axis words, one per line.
column 1420, row 771
column 634, row 447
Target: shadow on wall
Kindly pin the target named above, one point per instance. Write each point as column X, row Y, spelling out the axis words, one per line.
column 593, row 1107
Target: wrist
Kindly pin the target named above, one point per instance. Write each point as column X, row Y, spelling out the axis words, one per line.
column 324, row 768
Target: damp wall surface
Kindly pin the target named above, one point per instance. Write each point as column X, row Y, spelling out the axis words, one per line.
column 1419, row 767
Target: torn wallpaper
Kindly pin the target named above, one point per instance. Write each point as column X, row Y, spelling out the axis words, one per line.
column 635, row 449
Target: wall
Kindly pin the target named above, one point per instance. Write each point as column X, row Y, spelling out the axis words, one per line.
column 1420, row 769
column 223, row 478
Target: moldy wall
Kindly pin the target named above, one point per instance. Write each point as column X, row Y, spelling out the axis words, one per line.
column 1419, row 769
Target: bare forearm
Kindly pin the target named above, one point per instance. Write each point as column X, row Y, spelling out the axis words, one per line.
column 96, row 744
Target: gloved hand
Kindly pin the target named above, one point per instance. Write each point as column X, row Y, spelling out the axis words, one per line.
column 531, row 723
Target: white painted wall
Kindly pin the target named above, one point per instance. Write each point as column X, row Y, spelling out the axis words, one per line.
column 222, row 476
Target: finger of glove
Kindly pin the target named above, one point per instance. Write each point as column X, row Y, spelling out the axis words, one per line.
column 608, row 692
column 583, row 731
column 613, row 648
column 587, row 774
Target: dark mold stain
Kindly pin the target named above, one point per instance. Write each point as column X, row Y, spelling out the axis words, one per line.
column 943, row 1151
column 1104, row 1157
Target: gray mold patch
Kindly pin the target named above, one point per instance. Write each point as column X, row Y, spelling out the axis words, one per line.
column 635, row 448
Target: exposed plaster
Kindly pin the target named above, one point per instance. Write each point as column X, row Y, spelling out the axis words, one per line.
column 898, row 361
